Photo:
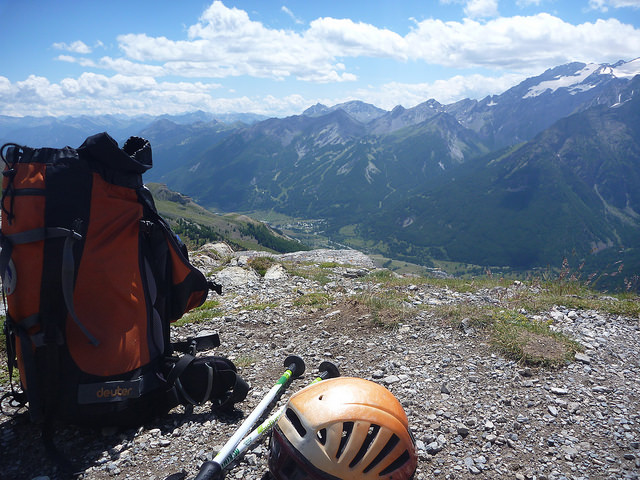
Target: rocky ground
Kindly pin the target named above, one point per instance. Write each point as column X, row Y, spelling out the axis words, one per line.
column 474, row 414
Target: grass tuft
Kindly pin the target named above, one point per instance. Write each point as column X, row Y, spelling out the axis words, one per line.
column 314, row 300
column 388, row 309
column 208, row 310
column 530, row 342
column 311, row 271
column 261, row 264
column 510, row 324
column 244, row 361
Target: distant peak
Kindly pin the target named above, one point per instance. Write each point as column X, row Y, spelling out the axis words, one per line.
column 357, row 109
column 317, row 109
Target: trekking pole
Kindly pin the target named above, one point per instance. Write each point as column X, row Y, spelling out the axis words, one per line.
column 327, row 370
column 212, row 469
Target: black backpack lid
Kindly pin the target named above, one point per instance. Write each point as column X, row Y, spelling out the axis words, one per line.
column 134, row 157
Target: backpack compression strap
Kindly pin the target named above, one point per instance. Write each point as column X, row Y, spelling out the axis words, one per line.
column 68, row 263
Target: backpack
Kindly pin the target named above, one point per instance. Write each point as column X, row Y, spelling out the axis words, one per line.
column 92, row 279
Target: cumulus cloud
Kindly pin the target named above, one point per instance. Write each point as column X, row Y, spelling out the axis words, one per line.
column 346, row 38
column 93, row 93
column 444, row 91
column 477, row 8
column 226, row 42
column 524, row 44
column 85, row 62
column 481, row 8
column 121, row 65
column 75, row 47
column 5, row 85
column 603, row 5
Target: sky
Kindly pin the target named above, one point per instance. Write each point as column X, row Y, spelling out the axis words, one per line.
column 278, row 57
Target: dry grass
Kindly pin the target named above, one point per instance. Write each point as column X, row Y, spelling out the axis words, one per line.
column 261, row 264
column 529, row 341
column 510, row 332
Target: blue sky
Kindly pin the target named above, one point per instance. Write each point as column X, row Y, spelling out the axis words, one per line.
column 277, row 58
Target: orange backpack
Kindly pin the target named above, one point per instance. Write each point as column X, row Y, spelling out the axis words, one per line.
column 93, row 277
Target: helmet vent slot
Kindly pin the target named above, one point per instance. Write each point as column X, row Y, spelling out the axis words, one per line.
column 397, row 463
column 347, row 428
column 322, row 436
column 368, row 440
column 295, row 421
column 386, row 450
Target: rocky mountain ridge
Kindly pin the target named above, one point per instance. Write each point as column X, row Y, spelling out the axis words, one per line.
column 511, row 181
column 430, row 188
column 474, row 413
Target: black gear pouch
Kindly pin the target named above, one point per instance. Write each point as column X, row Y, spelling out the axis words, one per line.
column 196, row 380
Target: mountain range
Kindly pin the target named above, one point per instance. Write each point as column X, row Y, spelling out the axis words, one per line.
column 547, row 170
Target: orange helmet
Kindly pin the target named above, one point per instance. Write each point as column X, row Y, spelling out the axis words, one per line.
column 343, row 428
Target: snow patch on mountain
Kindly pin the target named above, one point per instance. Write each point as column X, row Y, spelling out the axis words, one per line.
column 627, row 70
column 562, row 81
column 370, row 171
column 579, row 82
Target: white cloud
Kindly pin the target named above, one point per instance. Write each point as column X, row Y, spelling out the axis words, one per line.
column 444, row 91
column 127, row 67
column 345, row 38
column 523, row 44
column 481, row 8
column 75, row 47
column 226, row 42
column 120, row 65
column 5, row 87
column 290, row 13
column 85, row 62
column 478, row 8
column 93, row 93
column 603, row 5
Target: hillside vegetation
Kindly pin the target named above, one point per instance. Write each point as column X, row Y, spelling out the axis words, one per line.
column 196, row 225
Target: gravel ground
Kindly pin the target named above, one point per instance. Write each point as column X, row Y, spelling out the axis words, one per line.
column 473, row 413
